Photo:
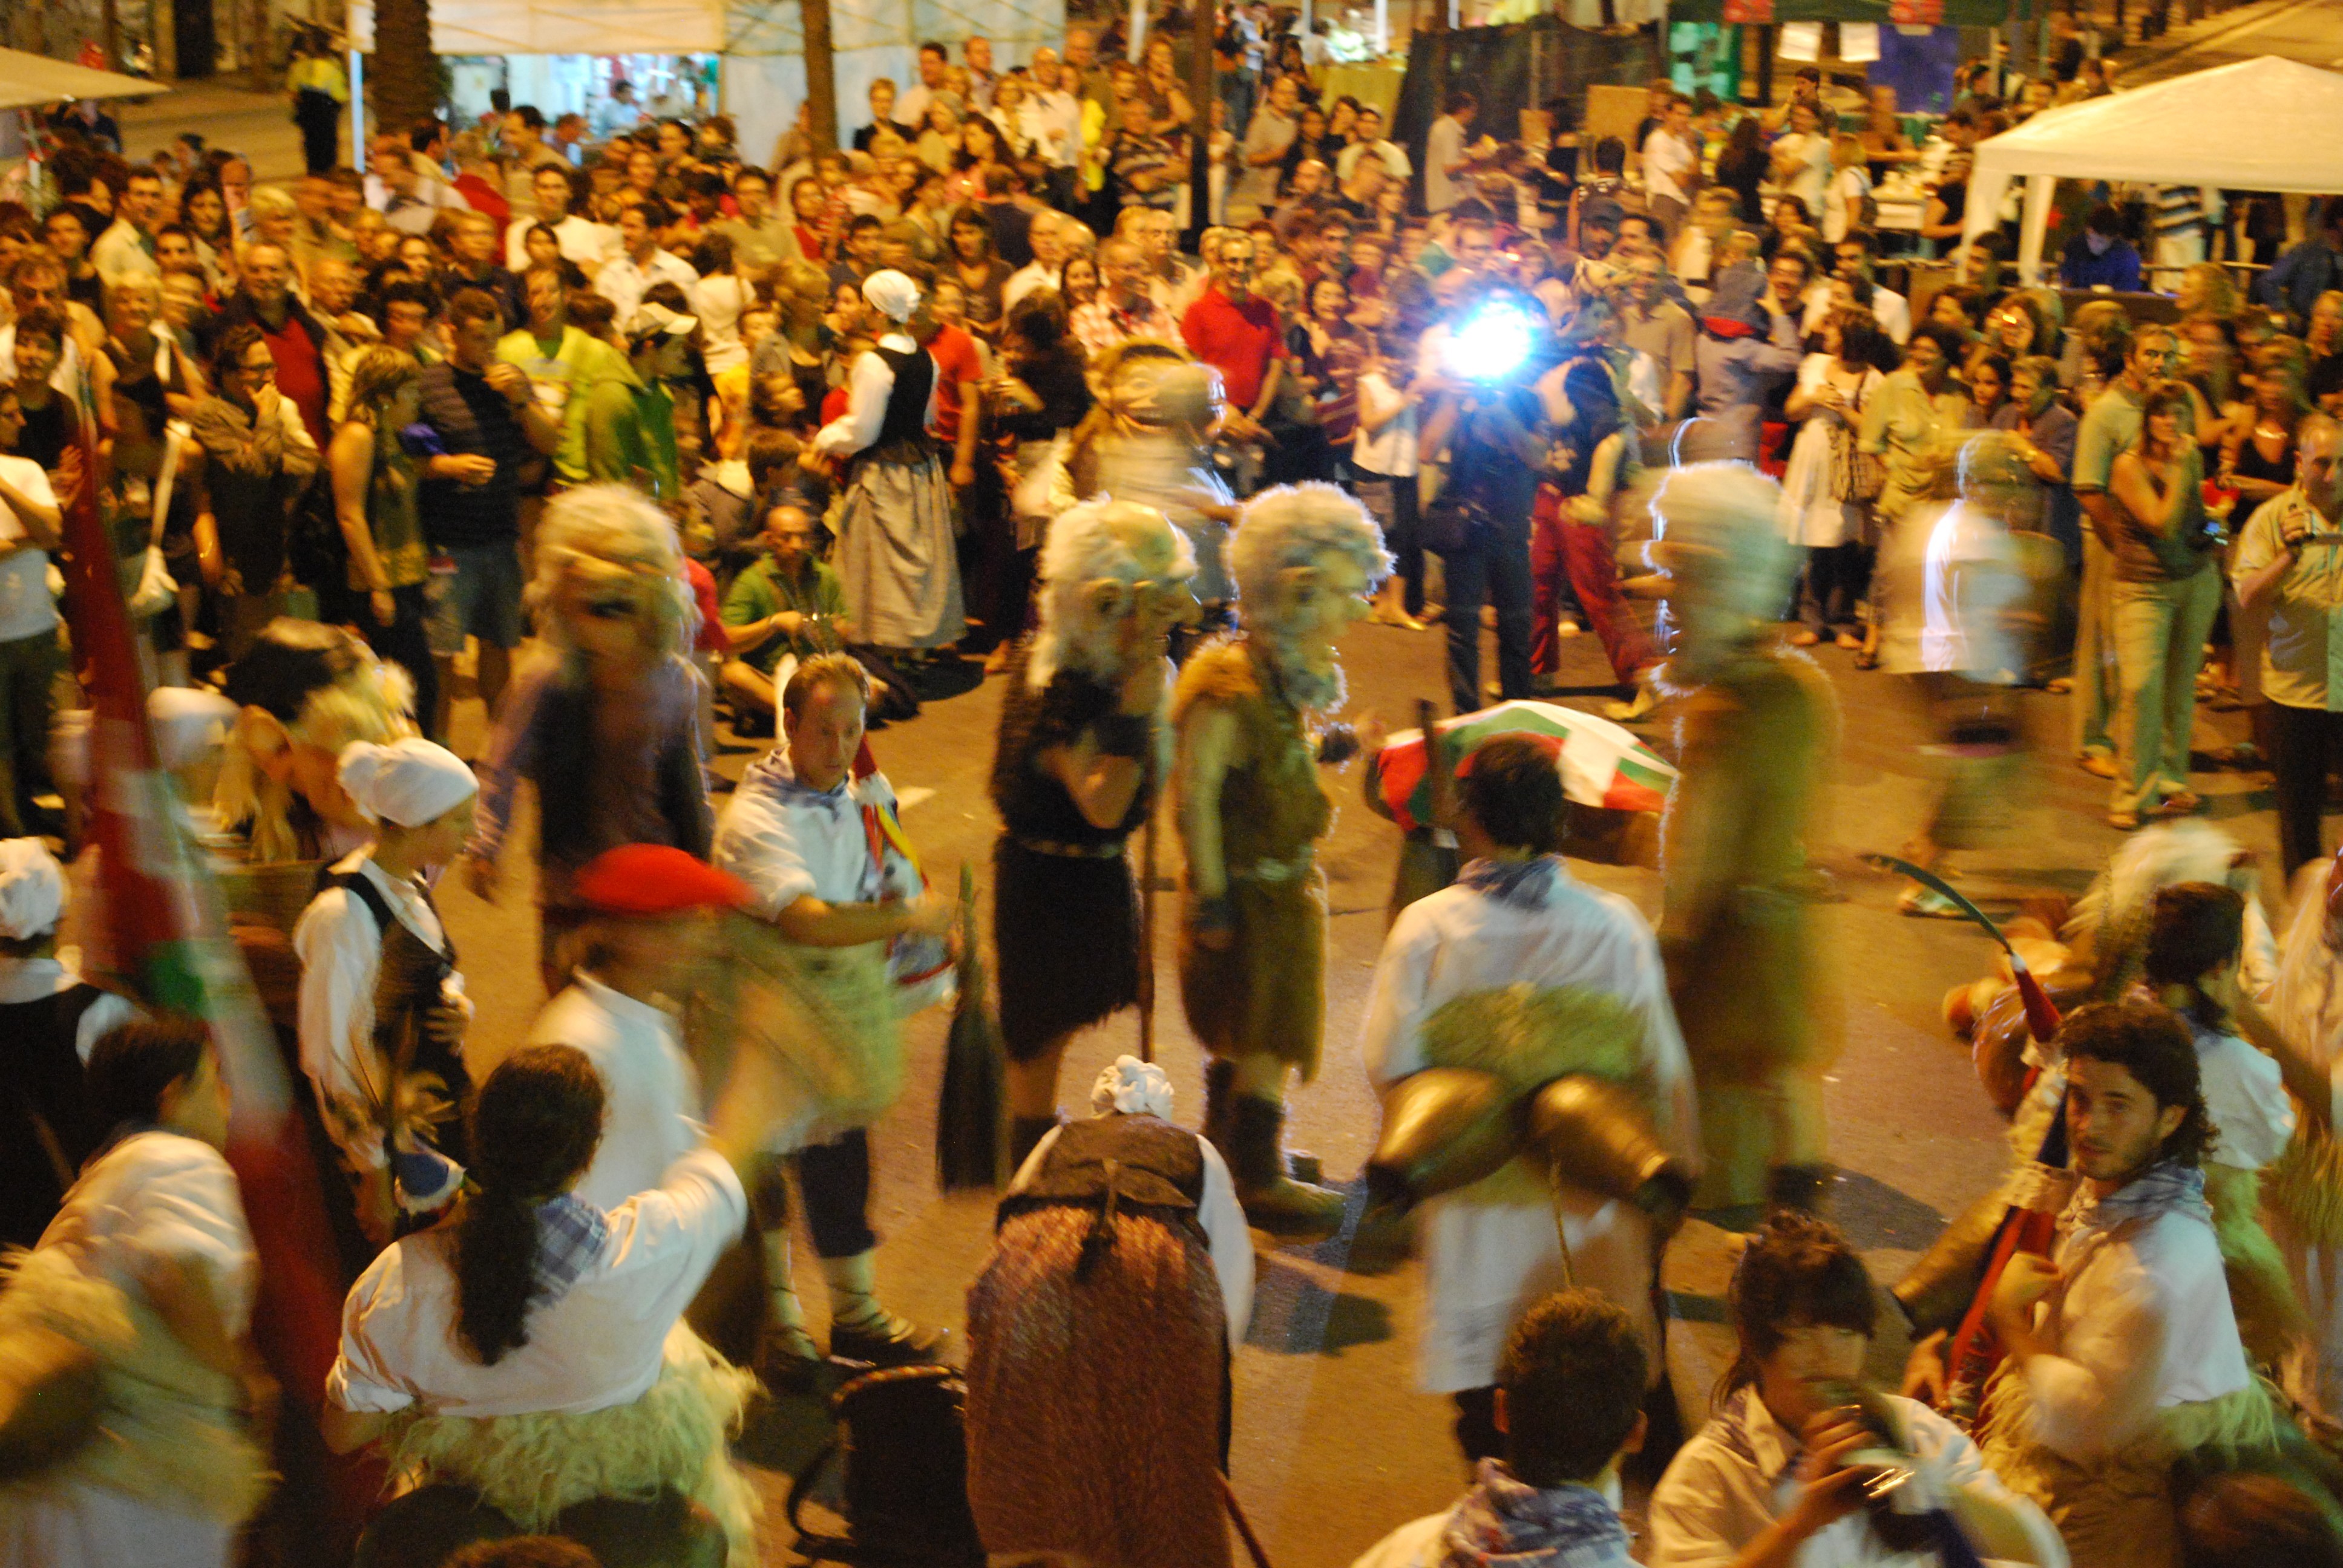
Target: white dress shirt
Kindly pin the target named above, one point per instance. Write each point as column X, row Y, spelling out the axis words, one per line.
column 1488, row 1252
column 1889, row 308
column 1052, row 122
column 1736, row 1478
column 601, row 1344
column 341, row 954
column 1393, row 156
column 582, row 240
column 623, row 281
column 872, row 381
column 123, row 250
column 649, row 1087
column 787, row 841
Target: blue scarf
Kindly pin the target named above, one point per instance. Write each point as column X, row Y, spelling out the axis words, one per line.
column 1518, row 884
column 2165, row 1186
column 571, row 1234
column 1503, row 1523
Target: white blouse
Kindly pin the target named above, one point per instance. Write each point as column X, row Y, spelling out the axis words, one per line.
column 871, row 383
column 650, row 1089
column 159, row 1195
column 599, row 1345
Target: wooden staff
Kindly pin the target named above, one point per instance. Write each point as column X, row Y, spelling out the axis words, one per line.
column 1147, row 940
column 1244, row 1527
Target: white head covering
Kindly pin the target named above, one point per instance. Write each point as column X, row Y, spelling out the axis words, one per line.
column 409, row 782
column 188, row 723
column 32, row 889
column 1133, row 1086
column 892, row 294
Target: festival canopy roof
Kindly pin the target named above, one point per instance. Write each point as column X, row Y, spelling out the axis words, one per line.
column 27, row 81
column 2265, row 124
column 562, row 26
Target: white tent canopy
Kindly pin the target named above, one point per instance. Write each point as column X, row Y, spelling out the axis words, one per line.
column 2265, row 124
column 562, row 26
column 27, row 81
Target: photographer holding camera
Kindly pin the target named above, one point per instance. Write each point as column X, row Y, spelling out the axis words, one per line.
column 1803, row 1465
column 1486, row 424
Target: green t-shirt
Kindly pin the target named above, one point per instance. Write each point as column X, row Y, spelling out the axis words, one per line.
column 561, row 381
column 761, row 590
column 630, row 435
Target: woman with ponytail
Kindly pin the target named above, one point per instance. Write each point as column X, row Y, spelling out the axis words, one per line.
column 531, row 1348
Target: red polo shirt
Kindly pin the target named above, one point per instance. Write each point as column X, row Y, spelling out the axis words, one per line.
column 1237, row 340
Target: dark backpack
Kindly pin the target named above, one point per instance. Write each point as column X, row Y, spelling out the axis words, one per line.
column 902, row 1441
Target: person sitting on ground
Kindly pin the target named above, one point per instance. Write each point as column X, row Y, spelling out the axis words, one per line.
column 787, row 606
column 1569, row 1405
column 1766, row 1483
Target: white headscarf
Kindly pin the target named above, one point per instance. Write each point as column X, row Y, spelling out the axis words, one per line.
column 409, row 782
column 892, row 294
column 32, row 889
column 1133, row 1086
column 188, row 724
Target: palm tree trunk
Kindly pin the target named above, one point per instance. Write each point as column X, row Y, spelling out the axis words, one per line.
column 405, row 75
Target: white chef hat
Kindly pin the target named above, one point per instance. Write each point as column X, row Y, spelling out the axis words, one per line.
column 409, row 782
column 1133, row 1086
column 32, row 889
column 892, row 294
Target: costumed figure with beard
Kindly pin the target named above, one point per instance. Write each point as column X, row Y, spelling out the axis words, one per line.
column 847, row 937
column 895, row 551
column 1082, row 751
column 1251, row 714
column 1099, row 1337
column 604, row 717
column 1523, row 999
column 1757, row 736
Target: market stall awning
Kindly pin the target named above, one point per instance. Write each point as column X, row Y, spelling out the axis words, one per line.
column 27, row 81
column 562, row 26
column 1897, row 12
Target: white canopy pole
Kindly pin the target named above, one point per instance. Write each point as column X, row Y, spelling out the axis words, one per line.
column 358, row 111
column 1138, row 29
column 2033, row 227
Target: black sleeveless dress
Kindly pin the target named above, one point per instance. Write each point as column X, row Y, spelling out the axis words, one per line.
column 1065, row 910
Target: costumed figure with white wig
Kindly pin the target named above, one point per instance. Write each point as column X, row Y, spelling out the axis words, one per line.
column 1150, row 440
column 604, row 718
column 531, row 1350
column 1757, row 734
column 2305, row 1189
column 147, row 1270
column 49, row 1019
column 383, row 1010
column 1083, row 748
column 895, row 544
column 1252, row 716
column 1099, row 1340
column 846, row 937
column 1536, row 1096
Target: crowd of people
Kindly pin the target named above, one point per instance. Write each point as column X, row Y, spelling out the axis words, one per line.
column 622, row 428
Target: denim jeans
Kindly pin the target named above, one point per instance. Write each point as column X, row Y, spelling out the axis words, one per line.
column 2159, row 630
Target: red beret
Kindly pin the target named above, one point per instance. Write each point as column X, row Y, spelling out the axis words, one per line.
column 656, row 879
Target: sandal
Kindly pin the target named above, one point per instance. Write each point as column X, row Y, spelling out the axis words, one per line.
column 1866, row 658
column 2123, row 821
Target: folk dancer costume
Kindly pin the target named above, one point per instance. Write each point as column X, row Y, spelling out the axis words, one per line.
column 1099, row 1340
column 614, row 754
column 1252, row 830
column 1523, row 972
column 1152, row 442
column 2144, row 1364
column 1738, row 1476
column 832, row 1016
column 1758, row 732
column 895, row 539
column 49, row 1018
column 2305, row 1187
column 1065, row 920
column 172, row 1473
column 611, row 1396
column 383, row 1008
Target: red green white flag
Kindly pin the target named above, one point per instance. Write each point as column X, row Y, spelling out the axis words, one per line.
column 1601, row 764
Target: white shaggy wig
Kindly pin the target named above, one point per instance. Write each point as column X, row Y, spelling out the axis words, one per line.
column 612, row 532
column 1718, row 538
column 1087, row 543
column 1294, row 525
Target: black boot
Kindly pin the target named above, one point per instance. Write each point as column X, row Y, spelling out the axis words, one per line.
column 1805, row 1189
column 1220, row 1090
column 1025, row 1134
column 1273, row 1201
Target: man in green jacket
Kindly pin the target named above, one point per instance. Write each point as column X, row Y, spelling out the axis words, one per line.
column 630, row 416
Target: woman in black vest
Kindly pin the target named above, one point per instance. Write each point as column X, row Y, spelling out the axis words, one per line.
column 896, row 554
column 382, row 1007
column 1098, row 1338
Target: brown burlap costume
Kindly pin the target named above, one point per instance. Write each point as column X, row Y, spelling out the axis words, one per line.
column 1265, row 994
